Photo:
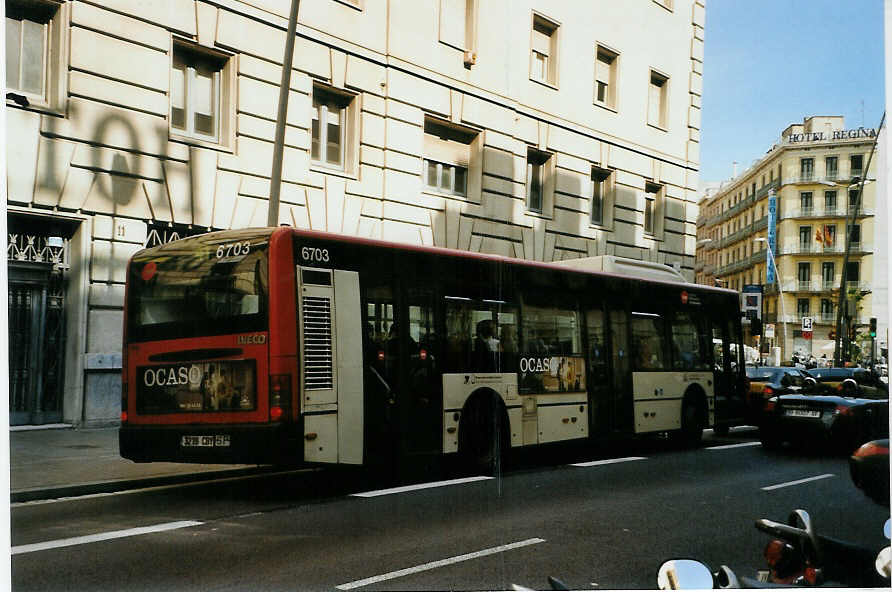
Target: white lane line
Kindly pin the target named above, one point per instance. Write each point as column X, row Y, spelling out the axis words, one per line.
column 103, row 536
column 798, row 481
column 609, row 461
column 159, row 487
column 435, row 564
column 430, row 485
column 741, row 445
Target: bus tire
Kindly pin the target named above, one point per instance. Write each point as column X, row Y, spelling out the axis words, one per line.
column 693, row 419
column 482, row 434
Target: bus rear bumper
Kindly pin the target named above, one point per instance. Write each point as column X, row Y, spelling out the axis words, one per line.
column 208, row 444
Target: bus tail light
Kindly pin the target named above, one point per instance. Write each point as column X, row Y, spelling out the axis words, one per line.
column 279, row 396
column 124, row 401
column 844, row 410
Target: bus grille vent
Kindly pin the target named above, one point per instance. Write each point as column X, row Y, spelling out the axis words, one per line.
column 318, row 373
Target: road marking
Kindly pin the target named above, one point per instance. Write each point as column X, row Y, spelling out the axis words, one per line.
column 71, row 498
column 798, row 481
column 435, row 564
column 430, row 485
column 103, row 536
column 609, row 461
column 741, row 445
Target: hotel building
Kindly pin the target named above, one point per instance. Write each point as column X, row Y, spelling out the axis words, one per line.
column 813, row 172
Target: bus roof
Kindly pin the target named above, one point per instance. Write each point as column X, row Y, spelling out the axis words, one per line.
column 609, row 266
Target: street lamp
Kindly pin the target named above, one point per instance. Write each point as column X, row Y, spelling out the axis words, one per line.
column 780, row 288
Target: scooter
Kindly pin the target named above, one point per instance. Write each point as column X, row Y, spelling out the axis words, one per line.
column 796, row 557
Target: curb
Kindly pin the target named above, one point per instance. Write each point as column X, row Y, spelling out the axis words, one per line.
column 79, row 489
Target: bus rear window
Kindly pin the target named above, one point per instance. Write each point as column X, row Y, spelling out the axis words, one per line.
column 198, row 287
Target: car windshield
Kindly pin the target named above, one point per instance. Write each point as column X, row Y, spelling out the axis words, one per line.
column 757, row 374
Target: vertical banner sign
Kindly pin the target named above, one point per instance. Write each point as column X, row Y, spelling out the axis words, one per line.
column 772, row 236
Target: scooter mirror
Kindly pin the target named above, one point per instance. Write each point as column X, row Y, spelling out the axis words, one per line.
column 886, row 528
column 884, row 562
column 684, row 574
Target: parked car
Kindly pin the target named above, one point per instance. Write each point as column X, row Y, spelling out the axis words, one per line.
column 769, row 381
column 844, row 414
column 849, row 381
column 869, row 468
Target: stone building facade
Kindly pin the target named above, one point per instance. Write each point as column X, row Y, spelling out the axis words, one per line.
column 533, row 129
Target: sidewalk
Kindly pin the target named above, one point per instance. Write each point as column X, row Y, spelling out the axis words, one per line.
column 59, row 461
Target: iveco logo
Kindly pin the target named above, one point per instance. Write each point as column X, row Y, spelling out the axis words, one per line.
column 256, row 339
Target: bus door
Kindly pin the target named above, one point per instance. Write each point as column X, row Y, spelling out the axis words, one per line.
column 621, row 400
column 600, row 381
column 729, row 398
column 420, row 399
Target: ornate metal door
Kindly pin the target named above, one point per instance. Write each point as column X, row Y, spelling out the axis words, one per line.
column 36, row 293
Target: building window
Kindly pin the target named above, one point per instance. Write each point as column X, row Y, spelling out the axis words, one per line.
column 606, row 65
column 830, row 202
column 805, row 202
column 802, row 307
column 537, row 177
column 855, row 235
column 831, row 164
column 457, row 23
column 543, row 53
column 856, row 163
column 35, row 71
column 447, row 152
column 853, row 198
column 333, row 129
column 804, row 275
column 652, row 196
column 601, row 192
column 657, row 100
column 199, row 92
column 804, row 238
column 826, row 309
column 853, row 273
column 828, row 271
column 806, row 169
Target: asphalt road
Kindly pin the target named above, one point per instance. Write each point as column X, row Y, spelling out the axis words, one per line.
column 601, row 526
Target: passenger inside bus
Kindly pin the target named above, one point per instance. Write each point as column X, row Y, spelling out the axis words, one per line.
column 486, row 347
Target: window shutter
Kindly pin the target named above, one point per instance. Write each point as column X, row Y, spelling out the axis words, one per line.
column 541, row 40
column 446, row 151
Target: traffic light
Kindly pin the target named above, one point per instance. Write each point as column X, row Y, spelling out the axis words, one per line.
column 873, row 327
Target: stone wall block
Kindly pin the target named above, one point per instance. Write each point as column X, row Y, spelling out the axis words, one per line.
column 53, row 162
column 203, row 170
column 114, row 58
column 178, row 182
column 206, row 23
column 21, row 155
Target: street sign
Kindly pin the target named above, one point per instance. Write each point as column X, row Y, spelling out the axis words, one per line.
column 769, row 331
column 806, row 334
column 806, row 324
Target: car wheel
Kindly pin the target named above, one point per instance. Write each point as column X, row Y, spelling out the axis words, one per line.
column 769, row 438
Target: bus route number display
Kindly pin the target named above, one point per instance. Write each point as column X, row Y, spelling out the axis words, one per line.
column 314, row 255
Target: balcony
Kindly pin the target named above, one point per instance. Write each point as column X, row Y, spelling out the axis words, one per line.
column 839, row 248
column 832, row 212
column 763, row 191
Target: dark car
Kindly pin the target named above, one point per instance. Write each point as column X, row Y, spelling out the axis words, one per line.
column 869, row 468
column 849, row 381
column 844, row 414
column 769, row 381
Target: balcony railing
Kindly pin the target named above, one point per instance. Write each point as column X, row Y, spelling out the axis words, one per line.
column 838, row 248
column 833, row 212
column 763, row 191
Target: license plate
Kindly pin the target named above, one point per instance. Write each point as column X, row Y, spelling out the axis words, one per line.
column 802, row 413
column 218, row 441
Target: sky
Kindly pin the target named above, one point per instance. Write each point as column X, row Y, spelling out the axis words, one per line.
column 770, row 63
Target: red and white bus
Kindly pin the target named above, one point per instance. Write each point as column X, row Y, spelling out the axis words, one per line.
column 286, row 346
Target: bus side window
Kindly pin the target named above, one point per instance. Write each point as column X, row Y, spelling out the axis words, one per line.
column 687, row 341
column 647, row 339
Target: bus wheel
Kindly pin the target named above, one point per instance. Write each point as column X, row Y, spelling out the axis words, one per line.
column 480, row 437
column 693, row 420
